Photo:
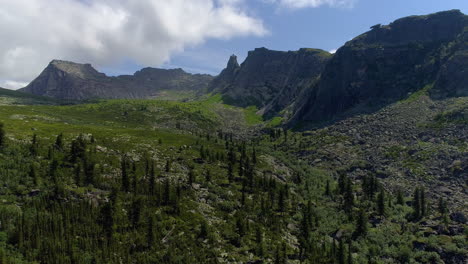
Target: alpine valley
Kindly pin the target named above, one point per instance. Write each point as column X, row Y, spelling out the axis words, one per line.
column 304, row 156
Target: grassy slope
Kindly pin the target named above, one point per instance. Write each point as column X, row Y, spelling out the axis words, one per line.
column 135, row 126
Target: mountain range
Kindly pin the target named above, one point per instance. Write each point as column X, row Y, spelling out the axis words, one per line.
column 304, row 87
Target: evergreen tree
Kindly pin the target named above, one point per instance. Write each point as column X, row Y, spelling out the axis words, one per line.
column 381, row 202
column 203, row 230
column 341, row 252
column 348, row 196
column 259, row 242
column 254, row 157
column 361, row 223
column 150, row 232
column 168, row 166
column 34, row 146
column 327, row 188
column 400, row 198
column 416, row 204
column 106, row 220
column 350, row 254
column 151, row 179
column 59, row 142
column 125, row 179
column 191, row 177
column 135, row 212
column 2, row 136
column 33, row 175
column 230, row 172
column 208, row 176
column 423, row 205
column 167, row 192
column 442, row 206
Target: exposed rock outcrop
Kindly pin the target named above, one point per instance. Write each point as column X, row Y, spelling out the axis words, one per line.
column 269, row 79
column 69, row 80
column 387, row 64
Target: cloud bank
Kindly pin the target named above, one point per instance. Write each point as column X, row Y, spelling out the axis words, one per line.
column 297, row 4
column 108, row 32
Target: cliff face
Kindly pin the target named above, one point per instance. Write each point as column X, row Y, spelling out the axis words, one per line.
column 69, row 80
column 269, row 79
column 388, row 63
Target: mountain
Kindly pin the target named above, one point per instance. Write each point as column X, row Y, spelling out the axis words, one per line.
column 388, row 63
column 69, row 80
column 269, row 79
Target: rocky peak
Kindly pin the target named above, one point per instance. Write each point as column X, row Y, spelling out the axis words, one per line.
column 232, row 63
column 388, row 63
column 70, row 80
column 441, row 26
column 76, row 69
column 269, row 77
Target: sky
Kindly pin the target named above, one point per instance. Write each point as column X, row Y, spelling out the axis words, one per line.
column 123, row 36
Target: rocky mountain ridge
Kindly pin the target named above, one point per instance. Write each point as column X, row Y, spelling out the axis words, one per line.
column 69, row 80
column 269, row 79
column 388, row 63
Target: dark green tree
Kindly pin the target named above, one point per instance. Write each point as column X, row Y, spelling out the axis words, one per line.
column 400, row 198
column 416, row 204
column 327, row 188
column 168, row 166
column 208, row 176
column 150, row 232
column 361, row 223
column 348, row 196
column 151, row 179
column 2, row 136
column 230, row 172
column 381, row 202
column 59, row 142
column 125, row 178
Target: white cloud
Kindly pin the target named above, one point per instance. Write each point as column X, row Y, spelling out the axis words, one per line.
column 13, row 85
column 333, row 51
column 296, row 4
column 107, row 32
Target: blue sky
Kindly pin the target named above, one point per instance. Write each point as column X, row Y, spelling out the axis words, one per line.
column 123, row 36
column 324, row 27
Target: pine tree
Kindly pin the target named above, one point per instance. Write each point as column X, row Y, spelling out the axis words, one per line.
column 230, row 172
column 259, row 242
column 381, row 202
column 400, row 199
column 342, row 183
column 168, row 166
column 348, row 196
column 2, row 136
column 150, row 232
column 361, row 224
column 59, row 142
column 416, row 204
column 124, row 172
column 341, row 252
column 327, row 188
column 423, row 202
column 106, row 220
column 151, row 179
column 442, row 206
column 34, row 146
column 191, row 177
column 203, row 230
column 167, row 192
column 208, row 176
column 350, row 254
column 254, row 157
column 135, row 212
column 33, row 175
